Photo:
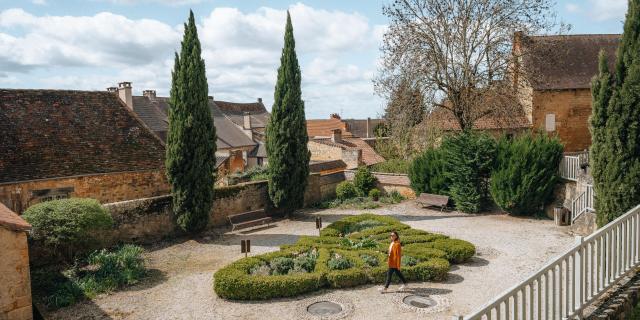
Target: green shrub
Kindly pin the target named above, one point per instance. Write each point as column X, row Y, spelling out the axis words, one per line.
column 359, row 244
column 346, row 190
column 427, row 173
column 338, row 262
column 374, row 194
column 369, row 260
column 430, row 270
column 392, row 166
column 70, row 226
column 393, row 197
column 408, row 261
column 305, row 262
column 422, row 252
column 364, row 181
column 526, row 172
column 458, row 251
column 470, row 158
column 281, row 265
column 262, row 269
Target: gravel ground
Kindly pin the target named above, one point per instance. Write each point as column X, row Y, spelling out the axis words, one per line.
column 181, row 287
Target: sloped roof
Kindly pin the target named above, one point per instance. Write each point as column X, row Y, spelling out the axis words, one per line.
column 444, row 120
column 319, row 166
column 260, row 151
column 62, row 133
column 369, row 155
column 11, row 220
column 358, row 127
column 154, row 112
column 235, row 112
column 566, row 61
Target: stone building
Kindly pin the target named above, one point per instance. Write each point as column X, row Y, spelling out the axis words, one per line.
column 353, row 151
column 239, row 126
column 15, row 295
column 62, row 143
column 362, row 128
column 554, row 81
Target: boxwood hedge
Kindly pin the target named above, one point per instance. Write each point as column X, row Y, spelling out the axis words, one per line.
column 433, row 252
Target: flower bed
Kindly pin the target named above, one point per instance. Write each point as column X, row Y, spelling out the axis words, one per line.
column 349, row 252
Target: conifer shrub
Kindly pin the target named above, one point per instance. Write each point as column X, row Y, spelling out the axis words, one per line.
column 469, row 160
column 346, row 190
column 374, row 194
column 526, row 172
column 364, row 181
column 427, row 173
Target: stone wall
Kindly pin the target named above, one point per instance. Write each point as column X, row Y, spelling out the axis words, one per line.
column 388, row 182
column 322, row 187
column 15, row 294
column 572, row 109
column 106, row 188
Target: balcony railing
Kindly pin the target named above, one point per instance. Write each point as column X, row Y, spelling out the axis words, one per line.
column 565, row 286
column 582, row 203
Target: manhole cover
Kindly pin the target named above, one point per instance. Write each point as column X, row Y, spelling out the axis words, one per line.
column 419, row 301
column 324, row 308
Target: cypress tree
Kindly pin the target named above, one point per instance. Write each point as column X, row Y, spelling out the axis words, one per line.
column 191, row 140
column 287, row 133
column 615, row 126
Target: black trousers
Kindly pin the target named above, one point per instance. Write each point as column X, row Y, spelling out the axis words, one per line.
column 390, row 272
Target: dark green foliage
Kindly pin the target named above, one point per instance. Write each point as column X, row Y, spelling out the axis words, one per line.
column 346, row 190
column 339, row 266
column 408, row 261
column 228, row 192
column 469, row 160
column 287, row 133
column 427, row 173
column 374, row 194
column 281, row 265
column 615, row 126
column 364, row 181
column 392, row 166
column 106, row 271
column 191, row 138
column 526, row 172
column 68, row 226
column 393, row 197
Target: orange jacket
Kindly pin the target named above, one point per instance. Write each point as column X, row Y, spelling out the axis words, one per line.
column 395, row 255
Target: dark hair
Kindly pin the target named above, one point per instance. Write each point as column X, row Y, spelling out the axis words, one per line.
column 397, row 235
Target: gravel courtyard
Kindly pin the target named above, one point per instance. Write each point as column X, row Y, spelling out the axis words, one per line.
column 181, row 285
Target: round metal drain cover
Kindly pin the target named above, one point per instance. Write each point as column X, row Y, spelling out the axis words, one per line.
column 421, row 302
column 324, row 308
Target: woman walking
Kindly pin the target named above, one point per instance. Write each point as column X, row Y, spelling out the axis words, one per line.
column 395, row 255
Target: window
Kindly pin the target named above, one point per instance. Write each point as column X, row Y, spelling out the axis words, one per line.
column 43, row 195
column 550, row 122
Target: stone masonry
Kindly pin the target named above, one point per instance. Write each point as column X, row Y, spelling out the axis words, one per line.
column 15, row 295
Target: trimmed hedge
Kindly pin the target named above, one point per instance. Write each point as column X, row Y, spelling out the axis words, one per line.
column 432, row 254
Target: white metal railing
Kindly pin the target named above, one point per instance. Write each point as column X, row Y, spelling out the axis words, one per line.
column 582, row 203
column 565, row 286
column 569, row 167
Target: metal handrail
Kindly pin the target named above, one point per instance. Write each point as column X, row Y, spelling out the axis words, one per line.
column 567, row 284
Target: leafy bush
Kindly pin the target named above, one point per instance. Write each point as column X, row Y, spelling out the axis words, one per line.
column 393, row 197
column 370, row 261
column 262, row 269
column 408, row 261
column 427, row 173
column 346, row 190
column 281, row 265
column 392, row 166
column 338, row 262
column 70, row 226
column 106, row 271
column 374, row 194
column 340, row 266
column 526, row 172
column 470, row 157
column 364, row 181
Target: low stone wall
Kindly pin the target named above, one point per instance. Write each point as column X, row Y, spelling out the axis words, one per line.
column 388, row 182
column 322, row 187
column 619, row 302
column 15, row 294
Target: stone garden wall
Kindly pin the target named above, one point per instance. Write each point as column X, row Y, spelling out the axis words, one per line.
column 388, row 182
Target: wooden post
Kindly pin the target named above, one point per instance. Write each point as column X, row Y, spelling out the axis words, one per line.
column 319, row 224
column 245, row 247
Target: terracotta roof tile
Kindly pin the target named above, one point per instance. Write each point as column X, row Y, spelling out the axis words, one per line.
column 369, row 155
column 62, row 133
column 444, row 120
column 323, row 127
column 11, row 220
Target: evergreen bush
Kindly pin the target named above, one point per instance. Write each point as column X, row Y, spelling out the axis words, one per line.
column 526, row 172
column 346, row 190
column 374, row 194
column 68, row 226
column 469, row 160
column 427, row 173
column 364, row 181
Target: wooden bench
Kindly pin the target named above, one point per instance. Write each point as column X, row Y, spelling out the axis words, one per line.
column 249, row 219
column 432, row 200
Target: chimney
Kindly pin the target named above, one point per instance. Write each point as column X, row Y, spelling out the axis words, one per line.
column 336, row 135
column 151, row 94
column 124, row 92
column 368, row 127
column 112, row 89
column 259, row 100
column 246, row 125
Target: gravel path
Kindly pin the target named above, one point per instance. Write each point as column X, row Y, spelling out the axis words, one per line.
column 181, row 287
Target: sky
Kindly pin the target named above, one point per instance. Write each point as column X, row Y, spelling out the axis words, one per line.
column 94, row 44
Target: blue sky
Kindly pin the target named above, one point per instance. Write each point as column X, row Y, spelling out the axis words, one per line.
column 93, row 44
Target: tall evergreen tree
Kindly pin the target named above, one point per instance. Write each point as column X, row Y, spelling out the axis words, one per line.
column 615, row 126
column 287, row 133
column 191, row 140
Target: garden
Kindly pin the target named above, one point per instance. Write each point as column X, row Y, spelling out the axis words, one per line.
column 348, row 253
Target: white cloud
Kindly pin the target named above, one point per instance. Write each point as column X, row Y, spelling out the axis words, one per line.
column 572, row 7
column 39, row 2
column 241, row 52
column 600, row 10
